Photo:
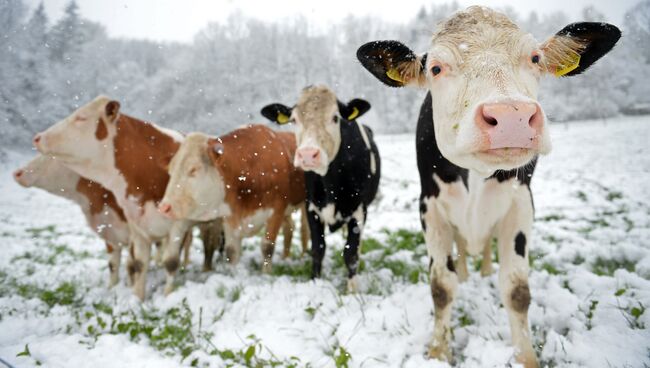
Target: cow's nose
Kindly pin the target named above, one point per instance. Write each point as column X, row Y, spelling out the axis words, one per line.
column 308, row 156
column 166, row 209
column 37, row 138
column 511, row 124
column 18, row 173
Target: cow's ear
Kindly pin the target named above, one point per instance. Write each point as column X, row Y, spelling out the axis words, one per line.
column 577, row 46
column 112, row 109
column 393, row 63
column 277, row 113
column 354, row 109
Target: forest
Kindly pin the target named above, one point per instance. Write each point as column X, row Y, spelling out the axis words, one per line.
column 229, row 71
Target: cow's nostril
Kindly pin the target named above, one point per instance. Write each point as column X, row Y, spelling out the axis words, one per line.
column 490, row 120
column 18, row 173
column 316, row 154
column 37, row 138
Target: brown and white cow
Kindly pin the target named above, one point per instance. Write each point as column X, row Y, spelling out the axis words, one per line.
column 98, row 204
column 476, row 161
column 127, row 156
column 246, row 177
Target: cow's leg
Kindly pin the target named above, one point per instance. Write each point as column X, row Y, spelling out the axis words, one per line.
column 114, row 257
column 351, row 253
column 187, row 246
column 158, row 256
column 513, row 234
column 304, row 230
column 140, row 252
column 273, row 225
column 439, row 235
column 317, row 230
column 486, row 262
column 212, row 238
column 171, row 256
column 233, row 244
column 461, row 262
column 287, row 232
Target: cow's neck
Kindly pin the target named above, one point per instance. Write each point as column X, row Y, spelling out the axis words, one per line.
column 139, row 149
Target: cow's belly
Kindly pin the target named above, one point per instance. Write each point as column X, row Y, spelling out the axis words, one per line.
column 251, row 225
column 147, row 220
column 110, row 227
column 474, row 211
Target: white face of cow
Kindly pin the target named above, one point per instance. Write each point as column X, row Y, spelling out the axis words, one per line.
column 47, row 173
column 196, row 190
column 317, row 115
column 318, row 134
column 483, row 74
column 83, row 137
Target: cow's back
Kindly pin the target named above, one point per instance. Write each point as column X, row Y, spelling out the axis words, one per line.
column 257, row 169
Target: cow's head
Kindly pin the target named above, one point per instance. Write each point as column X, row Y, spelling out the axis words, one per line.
column 483, row 73
column 317, row 115
column 47, row 173
column 84, row 136
column 196, row 189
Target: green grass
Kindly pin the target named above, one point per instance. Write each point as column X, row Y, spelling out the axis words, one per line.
column 607, row 267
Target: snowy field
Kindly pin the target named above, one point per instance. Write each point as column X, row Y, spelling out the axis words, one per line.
column 590, row 280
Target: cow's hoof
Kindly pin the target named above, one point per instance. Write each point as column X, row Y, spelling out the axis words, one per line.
column 353, row 285
column 439, row 352
column 527, row 359
column 113, row 281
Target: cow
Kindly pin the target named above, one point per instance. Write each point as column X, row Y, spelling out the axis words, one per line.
column 477, row 160
column 341, row 164
column 98, row 205
column 245, row 177
column 127, row 156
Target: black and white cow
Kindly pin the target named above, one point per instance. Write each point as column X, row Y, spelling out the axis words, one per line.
column 477, row 160
column 341, row 164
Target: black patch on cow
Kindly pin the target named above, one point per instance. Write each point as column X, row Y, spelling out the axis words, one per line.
column 430, row 263
column 171, row 265
column 439, row 294
column 520, row 244
column 134, row 267
column 523, row 174
column 429, row 158
column 111, row 268
column 520, row 298
column 450, row 264
column 423, row 211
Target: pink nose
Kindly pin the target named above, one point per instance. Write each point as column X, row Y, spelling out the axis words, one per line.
column 511, row 125
column 37, row 139
column 308, row 157
column 166, row 210
column 18, row 173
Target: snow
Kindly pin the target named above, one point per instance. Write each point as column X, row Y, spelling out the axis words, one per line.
column 592, row 200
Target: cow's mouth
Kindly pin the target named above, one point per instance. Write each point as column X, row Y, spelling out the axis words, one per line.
column 509, row 156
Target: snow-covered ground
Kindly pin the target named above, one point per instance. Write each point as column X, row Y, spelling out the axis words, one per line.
column 590, row 280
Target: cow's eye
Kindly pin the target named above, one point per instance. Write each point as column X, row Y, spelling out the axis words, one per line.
column 335, row 119
column 193, row 171
column 535, row 59
column 436, row 69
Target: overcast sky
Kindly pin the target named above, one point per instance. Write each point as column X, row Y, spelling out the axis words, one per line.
column 179, row 20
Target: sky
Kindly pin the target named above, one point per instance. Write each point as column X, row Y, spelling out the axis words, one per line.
column 180, row 20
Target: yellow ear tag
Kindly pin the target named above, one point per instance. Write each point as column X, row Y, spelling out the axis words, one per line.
column 394, row 74
column 568, row 65
column 282, row 118
column 355, row 113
